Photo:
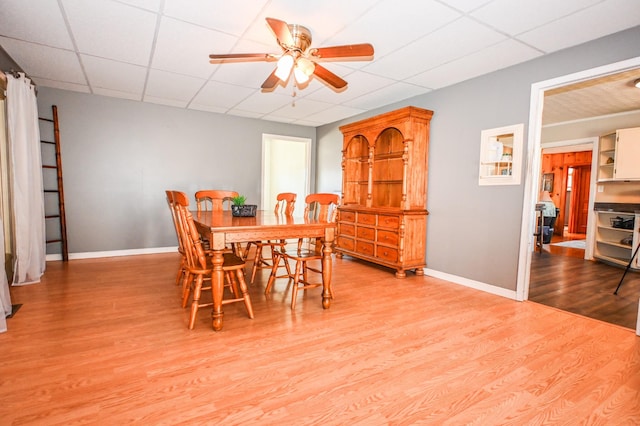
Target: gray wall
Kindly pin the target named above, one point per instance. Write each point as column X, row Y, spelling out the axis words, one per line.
column 473, row 231
column 119, row 156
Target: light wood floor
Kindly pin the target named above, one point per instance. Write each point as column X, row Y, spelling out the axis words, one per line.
column 105, row 341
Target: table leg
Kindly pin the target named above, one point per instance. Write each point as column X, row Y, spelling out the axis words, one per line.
column 326, row 270
column 217, row 287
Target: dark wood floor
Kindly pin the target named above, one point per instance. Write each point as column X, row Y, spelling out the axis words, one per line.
column 561, row 278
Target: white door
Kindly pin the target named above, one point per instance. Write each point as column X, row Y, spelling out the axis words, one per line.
column 286, row 167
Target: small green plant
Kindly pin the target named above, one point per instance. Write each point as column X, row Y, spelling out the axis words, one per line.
column 239, row 200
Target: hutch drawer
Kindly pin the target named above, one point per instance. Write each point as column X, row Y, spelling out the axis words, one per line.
column 388, row 221
column 386, row 237
column 367, row 219
column 387, row 253
column 364, row 248
column 366, row 233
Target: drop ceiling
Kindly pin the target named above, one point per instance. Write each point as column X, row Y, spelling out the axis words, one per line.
column 157, row 50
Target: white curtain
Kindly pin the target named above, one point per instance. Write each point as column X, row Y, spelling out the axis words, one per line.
column 27, row 197
column 5, row 297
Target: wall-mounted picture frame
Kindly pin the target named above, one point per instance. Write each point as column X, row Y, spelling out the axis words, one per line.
column 547, row 182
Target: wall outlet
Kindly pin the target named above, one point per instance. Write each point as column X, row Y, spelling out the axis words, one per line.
column 600, row 188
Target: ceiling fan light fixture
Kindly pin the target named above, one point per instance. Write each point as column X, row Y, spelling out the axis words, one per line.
column 283, row 70
column 300, row 76
column 637, row 83
column 303, row 70
column 306, row 66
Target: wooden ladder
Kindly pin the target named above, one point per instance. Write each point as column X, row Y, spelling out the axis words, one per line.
column 59, row 214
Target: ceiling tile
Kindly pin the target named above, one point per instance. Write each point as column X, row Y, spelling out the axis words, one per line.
column 222, row 95
column 359, row 83
column 164, row 101
column 467, row 5
column 263, row 102
column 400, row 27
column 232, row 17
column 387, row 95
column 56, row 84
column 458, row 39
column 38, row 22
column 516, row 17
column 247, row 74
column 184, row 48
column 46, row 62
column 113, row 75
column 117, row 94
column 584, row 26
column 177, row 87
column 111, row 30
column 335, row 113
column 498, row 56
column 150, row 5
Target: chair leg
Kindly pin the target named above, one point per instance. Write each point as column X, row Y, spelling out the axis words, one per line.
column 274, row 271
column 257, row 261
column 181, row 270
column 196, row 300
column 245, row 292
column 296, row 282
column 245, row 253
column 232, row 283
column 186, row 288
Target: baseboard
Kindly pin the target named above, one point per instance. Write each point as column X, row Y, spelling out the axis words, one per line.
column 114, row 253
column 488, row 288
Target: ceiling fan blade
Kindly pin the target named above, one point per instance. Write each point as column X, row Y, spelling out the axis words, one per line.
column 281, row 30
column 243, row 57
column 271, row 81
column 346, row 51
column 328, row 77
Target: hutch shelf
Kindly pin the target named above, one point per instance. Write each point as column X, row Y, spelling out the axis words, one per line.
column 383, row 217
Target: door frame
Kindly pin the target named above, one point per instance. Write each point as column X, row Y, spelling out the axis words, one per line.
column 534, row 160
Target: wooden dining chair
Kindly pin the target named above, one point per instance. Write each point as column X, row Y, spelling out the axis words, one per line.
column 322, row 207
column 285, row 204
column 216, row 200
column 183, row 261
column 200, row 268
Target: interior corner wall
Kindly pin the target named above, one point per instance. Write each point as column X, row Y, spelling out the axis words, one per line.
column 473, row 231
column 119, row 156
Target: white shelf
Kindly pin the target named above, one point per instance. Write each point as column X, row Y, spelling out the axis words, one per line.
column 608, row 245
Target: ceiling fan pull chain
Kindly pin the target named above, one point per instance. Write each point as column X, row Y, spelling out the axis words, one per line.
column 293, row 96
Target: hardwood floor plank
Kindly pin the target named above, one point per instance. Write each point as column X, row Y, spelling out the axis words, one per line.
column 105, row 341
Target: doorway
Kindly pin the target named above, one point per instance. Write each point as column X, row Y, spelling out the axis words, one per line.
column 567, row 283
column 286, row 167
column 534, row 154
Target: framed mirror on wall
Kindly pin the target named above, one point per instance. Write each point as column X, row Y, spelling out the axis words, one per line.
column 501, row 155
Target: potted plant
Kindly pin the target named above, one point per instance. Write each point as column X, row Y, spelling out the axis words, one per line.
column 239, row 208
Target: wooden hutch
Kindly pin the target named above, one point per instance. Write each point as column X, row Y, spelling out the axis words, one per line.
column 383, row 217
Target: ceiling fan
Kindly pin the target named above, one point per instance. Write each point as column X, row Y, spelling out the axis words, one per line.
column 298, row 57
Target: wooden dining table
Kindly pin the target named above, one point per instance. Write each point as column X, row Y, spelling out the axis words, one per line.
column 222, row 229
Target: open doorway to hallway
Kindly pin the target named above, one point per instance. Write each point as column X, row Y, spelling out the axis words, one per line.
column 286, row 167
column 566, row 170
